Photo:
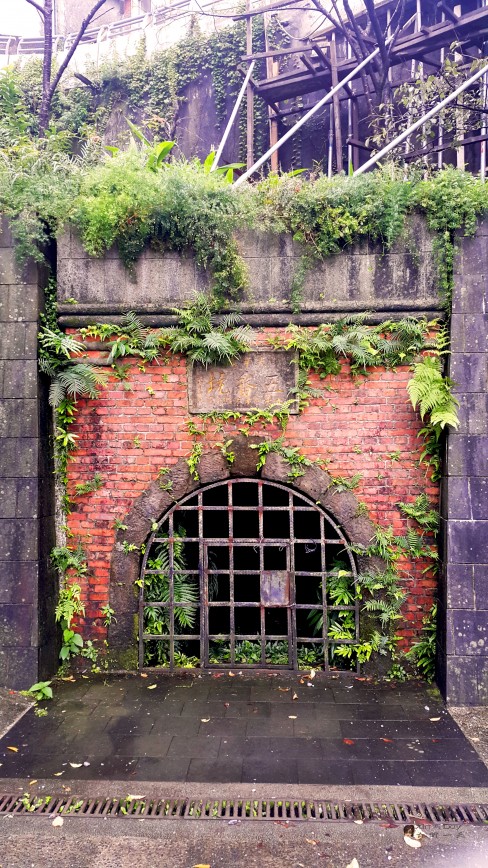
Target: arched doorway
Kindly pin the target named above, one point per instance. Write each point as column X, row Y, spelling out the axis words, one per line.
column 246, row 573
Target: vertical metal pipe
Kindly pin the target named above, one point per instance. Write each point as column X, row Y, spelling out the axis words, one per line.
column 249, row 96
column 350, row 164
column 484, row 89
column 232, row 117
column 440, row 134
column 330, row 149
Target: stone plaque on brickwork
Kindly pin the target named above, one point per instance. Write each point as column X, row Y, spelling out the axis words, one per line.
column 258, row 379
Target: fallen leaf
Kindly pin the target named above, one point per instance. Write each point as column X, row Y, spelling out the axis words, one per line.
column 353, row 864
column 360, row 679
column 201, row 866
column 58, row 774
column 284, row 823
column 143, row 674
column 312, row 674
column 358, row 822
column 311, row 841
column 292, row 717
column 205, row 719
column 233, row 822
column 295, row 696
column 85, row 676
column 152, row 686
column 434, row 719
column 14, row 749
column 348, row 741
column 58, row 821
column 130, row 796
column 232, row 675
column 388, row 740
column 302, row 681
column 76, row 765
column 69, row 678
column 34, row 781
column 284, row 689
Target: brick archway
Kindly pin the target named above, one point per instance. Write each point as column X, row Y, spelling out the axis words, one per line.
column 343, row 506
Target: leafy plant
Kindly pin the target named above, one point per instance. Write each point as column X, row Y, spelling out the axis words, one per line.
column 72, row 644
column 193, row 460
column 90, row 485
column 421, row 510
column 39, row 691
column 423, row 652
column 204, row 337
column 157, row 590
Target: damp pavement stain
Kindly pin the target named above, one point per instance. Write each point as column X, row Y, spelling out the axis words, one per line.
column 259, row 728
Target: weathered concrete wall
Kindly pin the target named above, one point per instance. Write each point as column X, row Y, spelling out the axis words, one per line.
column 358, row 279
column 26, row 503
column 464, row 598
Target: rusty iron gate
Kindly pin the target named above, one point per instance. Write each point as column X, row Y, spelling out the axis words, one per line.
column 248, row 574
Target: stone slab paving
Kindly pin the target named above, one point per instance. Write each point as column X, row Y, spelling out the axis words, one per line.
column 261, row 728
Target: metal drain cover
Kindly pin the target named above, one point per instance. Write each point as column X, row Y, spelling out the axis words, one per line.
column 239, row 810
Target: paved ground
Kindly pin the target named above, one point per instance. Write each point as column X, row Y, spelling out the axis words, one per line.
column 257, row 728
column 30, row 842
column 12, row 707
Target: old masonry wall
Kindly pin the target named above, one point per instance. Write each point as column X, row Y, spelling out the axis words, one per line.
column 358, row 425
column 136, row 427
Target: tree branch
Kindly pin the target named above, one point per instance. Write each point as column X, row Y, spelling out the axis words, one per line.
column 62, row 69
column 36, row 6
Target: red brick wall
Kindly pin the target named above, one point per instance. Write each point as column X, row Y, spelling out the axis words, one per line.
column 138, row 426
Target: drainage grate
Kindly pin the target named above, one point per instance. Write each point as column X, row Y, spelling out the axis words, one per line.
column 284, row 810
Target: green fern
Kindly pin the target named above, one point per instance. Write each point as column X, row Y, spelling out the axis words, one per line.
column 431, row 392
column 157, row 588
column 421, row 511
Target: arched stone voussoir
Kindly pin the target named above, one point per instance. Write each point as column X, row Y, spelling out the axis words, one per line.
column 343, row 506
column 246, row 458
column 213, row 466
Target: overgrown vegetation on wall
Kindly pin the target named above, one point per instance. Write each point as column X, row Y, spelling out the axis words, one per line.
column 124, row 199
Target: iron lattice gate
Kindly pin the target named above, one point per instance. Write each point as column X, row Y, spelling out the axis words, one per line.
column 250, row 574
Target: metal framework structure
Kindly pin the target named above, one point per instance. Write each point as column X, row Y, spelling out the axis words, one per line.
column 319, row 68
column 260, row 558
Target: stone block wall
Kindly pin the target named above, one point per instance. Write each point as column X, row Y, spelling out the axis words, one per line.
column 464, row 587
column 359, row 278
column 26, row 502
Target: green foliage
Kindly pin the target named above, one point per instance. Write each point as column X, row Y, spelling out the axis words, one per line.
column 431, row 392
column 89, row 486
column 423, row 652
column 421, row 510
column 157, row 590
column 70, row 604
column 69, row 559
column 193, row 460
column 108, row 615
column 39, row 691
column 123, row 202
column 204, row 337
column 291, row 454
column 388, row 344
column 341, row 483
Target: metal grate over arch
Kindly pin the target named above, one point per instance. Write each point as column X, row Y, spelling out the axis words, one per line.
column 251, row 574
